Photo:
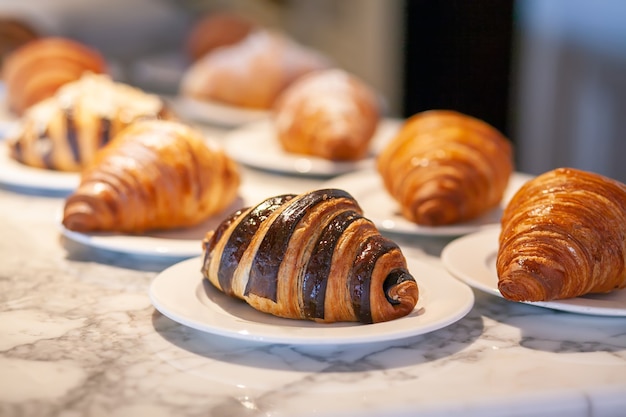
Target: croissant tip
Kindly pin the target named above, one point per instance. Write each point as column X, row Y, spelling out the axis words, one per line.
column 79, row 218
column 521, row 290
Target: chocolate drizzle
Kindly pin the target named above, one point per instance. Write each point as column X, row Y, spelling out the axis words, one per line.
column 46, row 146
column 360, row 277
column 263, row 276
column 241, row 237
column 315, row 278
column 72, row 134
column 105, row 131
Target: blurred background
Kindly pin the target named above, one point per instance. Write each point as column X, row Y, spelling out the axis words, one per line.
column 550, row 74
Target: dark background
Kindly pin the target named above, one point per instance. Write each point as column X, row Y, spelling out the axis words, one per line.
column 458, row 56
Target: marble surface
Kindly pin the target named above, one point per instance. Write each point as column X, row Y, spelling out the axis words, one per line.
column 79, row 337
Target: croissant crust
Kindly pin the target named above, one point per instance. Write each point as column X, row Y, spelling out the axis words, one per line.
column 330, row 114
column 445, row 167
column 35, row 70
column 252, row 72
column 311, row 256
column 563, row 235
column 155, row 174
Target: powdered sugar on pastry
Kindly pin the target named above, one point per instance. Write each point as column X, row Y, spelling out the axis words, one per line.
column 330, row 114
column 251, row 73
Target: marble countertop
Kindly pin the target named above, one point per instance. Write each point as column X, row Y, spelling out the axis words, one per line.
column 80, row 337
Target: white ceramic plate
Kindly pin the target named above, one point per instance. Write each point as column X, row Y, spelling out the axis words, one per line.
column 214, row 113
column 7, row 127
column 17, row 175
column 368, row 189
column 180, row 293
column 167, row 244
column 472, row 259
column 177, row 244
column 256, row 145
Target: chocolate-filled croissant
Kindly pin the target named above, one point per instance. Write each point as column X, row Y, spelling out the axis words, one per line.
column 65, row 131
column 311, row 256
column 563, row 235
column 445, row 167
column 155, row 174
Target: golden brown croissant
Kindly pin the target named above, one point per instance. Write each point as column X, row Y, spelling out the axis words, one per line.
column 563, row 235
column 310, row 256
column 155, row 174
column 445, row 167
column 15, row 31
column 330, row 114
column 38, row 68
column 64, row 132
column 252, row 72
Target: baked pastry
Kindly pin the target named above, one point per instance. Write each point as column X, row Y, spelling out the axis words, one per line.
column 251, row 73
column 155, row 174
column 330, row 114
column 563, row 235
column 215, row 30
column 38, row 68
column 311, row 256
column 64, row 132
column 14, row 32
column 444, row 167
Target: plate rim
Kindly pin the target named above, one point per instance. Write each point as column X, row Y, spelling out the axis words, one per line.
column 486, row 242
column 106, row 241
column 16, row 174
column 340, row 335
column 212, row 112
column 289, row 163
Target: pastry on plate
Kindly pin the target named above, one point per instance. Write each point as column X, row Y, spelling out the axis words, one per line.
column 35, row 70
column 563, row 235
column 63, row 132
column 311, row 256
column 214, row 30
column 330, row 114
column 445, row 167
column 154, row 175
column 252, row 72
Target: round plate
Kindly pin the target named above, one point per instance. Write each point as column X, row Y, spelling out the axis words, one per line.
column 20, row 176
column 214, row 113
column 181, row 293
column 368, row 189
column 257, row 146
column 472, row 259
column 175, row 244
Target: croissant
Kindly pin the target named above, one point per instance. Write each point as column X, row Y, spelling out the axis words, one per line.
column 563, row 235
column 444, row 167
column 15, row 31
column 330, row 114
column 64, row 132
column 155, row 174
column 252, row 72
column 311, row 256
column 35, row 70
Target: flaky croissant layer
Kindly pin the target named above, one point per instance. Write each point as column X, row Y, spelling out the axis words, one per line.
column 445, row 167
column 563, row 235
column 155, row 174
column 311, row 256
